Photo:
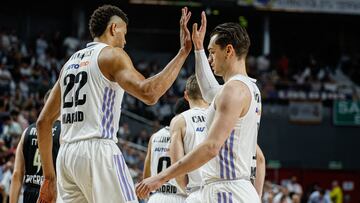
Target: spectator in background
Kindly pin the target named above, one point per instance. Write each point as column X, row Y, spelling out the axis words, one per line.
column 336, row 194
column 3, row 114
column 142, row 138
column 124, row 131
column 295, row 198
column 268, row 194
column 319, row 196
column 282, row 196
column 262, row 64
column 71, row 44
column 5, row 80
column 283, row 67
column 7, row 171
column 11, row 130
column 294, row 187
column 41, row 45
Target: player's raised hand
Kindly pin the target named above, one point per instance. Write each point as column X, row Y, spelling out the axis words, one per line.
column 48, row 191
column 198, row 35
column 185, row 36
column 147, row 185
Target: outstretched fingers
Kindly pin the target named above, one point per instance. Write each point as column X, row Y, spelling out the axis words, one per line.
column 194, row 28
column 203, row 22
column 141, row 190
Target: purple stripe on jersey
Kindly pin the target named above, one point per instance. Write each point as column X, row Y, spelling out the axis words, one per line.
column 219, row 197
column 122, row 176
column 232, row 154
column 103, row 110
column 226, row 160
column 118, row 174
column 106, row 116
column 107, row 112
column 230, row 197
column 104, row 99
column 224, row 196
column 111, row 116
column 109, row 96
column 132, row 191
column 221, row 162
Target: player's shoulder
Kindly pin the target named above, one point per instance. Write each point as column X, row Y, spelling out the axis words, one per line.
column 233, row 93
column 110, row 52
column 234, row 88
column 113, row 58
column 177, row 120
column 31, row 129
column 160, row 132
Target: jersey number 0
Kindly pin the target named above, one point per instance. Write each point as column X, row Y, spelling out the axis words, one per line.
column 164, row 160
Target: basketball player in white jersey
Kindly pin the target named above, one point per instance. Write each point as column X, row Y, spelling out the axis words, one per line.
column 158, row 159
column 88, row 96
column 187, row 131
column 233, row 120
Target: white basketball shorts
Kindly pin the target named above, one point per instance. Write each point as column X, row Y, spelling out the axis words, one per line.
column 93, row 171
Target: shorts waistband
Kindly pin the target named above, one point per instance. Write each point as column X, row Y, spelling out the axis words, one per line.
column 91, row 139
column 209, row 182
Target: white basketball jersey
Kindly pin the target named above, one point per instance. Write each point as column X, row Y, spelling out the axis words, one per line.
column 90, row 103
column 160, row 159
column 195, row 133
column 235, row 158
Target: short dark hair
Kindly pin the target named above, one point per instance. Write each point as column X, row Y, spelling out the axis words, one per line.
column 101, row 17
column 192, row 88
column 181, row 106
column 234, row 34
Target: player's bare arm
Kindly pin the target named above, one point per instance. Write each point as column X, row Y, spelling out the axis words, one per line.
column 260, row 171
column 176, row 148
column 19, row 171
column 233, row 101
column 116, row 65
column 48, row 116
column 147, row 162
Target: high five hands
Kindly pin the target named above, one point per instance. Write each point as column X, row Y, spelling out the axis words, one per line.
column 147, row 185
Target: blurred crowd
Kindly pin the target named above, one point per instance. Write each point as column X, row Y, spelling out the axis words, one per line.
column 291, row 191
column 306, row 77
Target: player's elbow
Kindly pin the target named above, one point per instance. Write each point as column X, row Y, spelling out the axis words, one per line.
column 150, row 100
column 148, row 95
column 17, row 176
column 261, row 158
column 42, row 122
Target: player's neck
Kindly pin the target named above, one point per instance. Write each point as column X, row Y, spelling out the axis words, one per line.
column 198, row 103
column 103, row 39
column 236, row 68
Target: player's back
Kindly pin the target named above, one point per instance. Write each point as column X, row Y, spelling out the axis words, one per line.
column 235, row 158
column 90, row 103
column 160, row 159
column 33, row 171
column 195, row 133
